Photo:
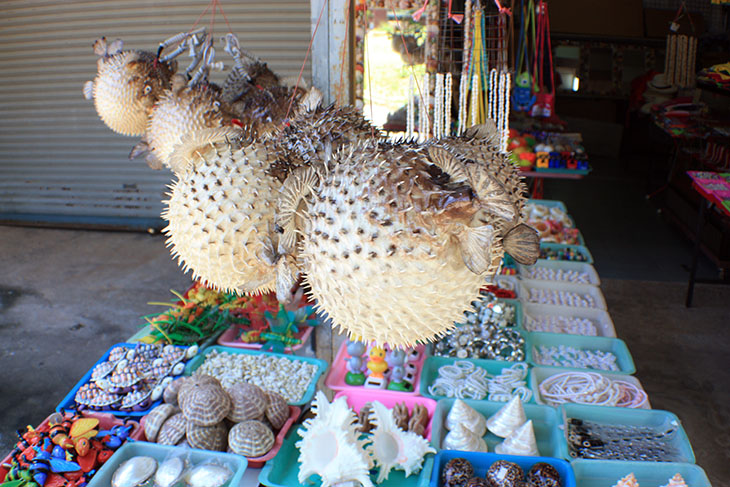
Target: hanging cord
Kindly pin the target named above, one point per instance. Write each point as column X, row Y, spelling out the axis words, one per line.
column 344, row 48
column 370, row 84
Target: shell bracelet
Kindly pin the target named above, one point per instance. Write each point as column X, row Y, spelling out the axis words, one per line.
column 591, row 388
column 464, row 380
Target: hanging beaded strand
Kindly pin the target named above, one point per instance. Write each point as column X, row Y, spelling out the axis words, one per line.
column 410, row 113
column 447, row 104
column 423, row 122
column 505, row 83
column 438, row 107
column 492, row 108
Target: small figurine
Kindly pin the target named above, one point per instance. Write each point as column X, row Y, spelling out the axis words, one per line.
column 542, row 160
column 355, row 367
column 522, row 96
column 396, row 361
column 377, row 366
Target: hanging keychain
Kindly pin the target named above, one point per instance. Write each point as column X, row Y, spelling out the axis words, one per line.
column 523, row 97
column 545, row 100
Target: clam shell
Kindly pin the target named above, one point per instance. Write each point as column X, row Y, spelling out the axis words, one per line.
column 156, row 418
column 134, row 471
column 206, row 405
column 208, row 475
column 277, row 412
column 173, row 430
column 207, row 437
column 171, row 391
column 248, row 401
column 169, row 472
column 250, row 438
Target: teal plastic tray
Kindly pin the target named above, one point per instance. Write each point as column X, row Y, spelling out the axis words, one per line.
column 656, row 419
column 430, row 371
column 482, row 461
column 282, row 471
column 614, row 345
column 603, row 473
column 198, row 360
column 103, row 477
column 544, row 421
column 581, row 249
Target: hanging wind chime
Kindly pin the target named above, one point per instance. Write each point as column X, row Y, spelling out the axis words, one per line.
column 681, row 53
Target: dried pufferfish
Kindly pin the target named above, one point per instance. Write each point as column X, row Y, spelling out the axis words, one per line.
column 378, row 224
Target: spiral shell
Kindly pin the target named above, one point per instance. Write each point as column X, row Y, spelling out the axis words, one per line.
column 277, row 412
column 248, row 401
column 250, row 438
column 156, row 418
column 206, row 405
column 207, row 437
column 173, row 430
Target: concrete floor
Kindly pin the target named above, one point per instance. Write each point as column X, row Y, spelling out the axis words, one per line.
column 65, row 296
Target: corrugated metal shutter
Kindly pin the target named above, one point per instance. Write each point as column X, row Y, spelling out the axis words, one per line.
column 58, row 162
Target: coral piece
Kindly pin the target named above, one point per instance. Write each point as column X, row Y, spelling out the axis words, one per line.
column 462, row 413
column 509, row 417
column 628, row 481
column 461, row 438
column 363, row 418
column 520, row 442
column 457, row 472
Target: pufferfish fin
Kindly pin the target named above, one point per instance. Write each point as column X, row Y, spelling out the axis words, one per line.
column 140, row 149
column 448, row 163
column 476, row 245
column 195, row 145
column 286, row 279
column 484, row 131
column 522, row 243
column 88, row 90
column 493, row 196
column 115, row 47
column 293, row 192
column 100, row 47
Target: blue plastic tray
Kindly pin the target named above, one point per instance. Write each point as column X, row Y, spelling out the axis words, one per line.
column 68, row 402
column 103, row 477
column 283, row 469
column 430, row 371
column 614, row 345
column 581, row 249
column 198, row 360
column 544, row 421
column 602, row 473
column 653, row 418
column 482, row 461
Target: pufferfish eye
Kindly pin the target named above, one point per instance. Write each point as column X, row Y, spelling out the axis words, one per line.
column 147, row 89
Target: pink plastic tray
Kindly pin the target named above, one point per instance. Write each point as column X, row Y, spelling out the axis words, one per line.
column 336, row 378
column 357, row 397
column 106, row 422
column 229, row 339
column 258, row 462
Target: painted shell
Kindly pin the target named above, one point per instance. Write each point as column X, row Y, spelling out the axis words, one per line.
column 170, row 394
column 135, row 471
column 250, row 438
column 248, row 401
column 172, row 354
column 136, row 400
column 207, row 437
column 156, row 418
column 543, row 475
column 173, row 430
column 117, row 353
column 277, row 412
column 102, row 370
column 457, row 472
column 126, row 377
column 208, row 475
column 206, row 405
column 169, row 472
column 158, row 372
column 505, row 473
column 93, row 396
column 148, row 351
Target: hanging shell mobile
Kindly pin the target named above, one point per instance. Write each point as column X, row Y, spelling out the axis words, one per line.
column 393, row 240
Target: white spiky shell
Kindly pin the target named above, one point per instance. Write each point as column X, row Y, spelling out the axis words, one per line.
column 378, row 274
column 220, row 215
column 330, row 446
column 178, row 114
column 392, row 447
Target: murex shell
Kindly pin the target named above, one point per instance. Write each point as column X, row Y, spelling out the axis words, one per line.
column 248, row 401
column 207, row 437
column 250, row 438
column 156, row 418
column 134, row 472
column 206, row 405
column 173, row 430
column 208, row 475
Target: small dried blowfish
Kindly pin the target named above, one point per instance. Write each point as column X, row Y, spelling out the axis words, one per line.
column 127, row 85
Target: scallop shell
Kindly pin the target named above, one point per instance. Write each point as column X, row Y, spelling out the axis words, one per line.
column 250, row 438
column 207, row 437
column 206, row 405
column 277, row 412
column 171, row 391
column 156, row 418
column 134, row 472
column 248, row 401
column 169, row 472
column 208, row 475
column 173, row 430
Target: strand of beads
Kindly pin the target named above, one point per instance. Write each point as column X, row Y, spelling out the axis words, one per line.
column 561, row 298
column 411, row 112
column 571, row 325
column 512, row 381
column 550, row 274
column 590, row 388
column 438, row 106
column 447, row 104
column 505, row 81
column 562, row 356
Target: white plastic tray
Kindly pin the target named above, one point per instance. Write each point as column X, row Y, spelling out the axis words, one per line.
column 562, row 265
column 602, row 320
column 593, row 291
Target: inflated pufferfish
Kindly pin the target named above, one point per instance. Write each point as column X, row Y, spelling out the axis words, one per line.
column 396, row 241
column 127, row 85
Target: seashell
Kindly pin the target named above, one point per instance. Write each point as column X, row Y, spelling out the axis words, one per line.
column 207, row 437
column 277, row 411
column 628, row 481
column 250, row 438
column 136, row 399
column 124, row 377
column 156, row 418
column 543, row 474
column 171, row 391
column 178, row 369
column 520, row 442
column 509, row 417
column 101, row 370
column 208, row 475
column 457, row 472
column 676, row 481
column 117, row 353
column 480, row 482
column 134, row 472
column 400, row 416
column 173, row 430
column 157, row 392
column 193, row 382
column 248, row 401
column 171, row 354
column 419, row 419
column 206, row 405
column 461, row 438
column 462, row 413
column 505, row 473
column 191, row 351
column 94, row 396
column 169, row 472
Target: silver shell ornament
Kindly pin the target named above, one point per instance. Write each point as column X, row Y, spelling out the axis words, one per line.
column 208, row 475
column 169, row 472
column 134, row 472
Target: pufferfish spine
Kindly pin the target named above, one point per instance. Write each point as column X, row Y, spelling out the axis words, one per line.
column 220, row 212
